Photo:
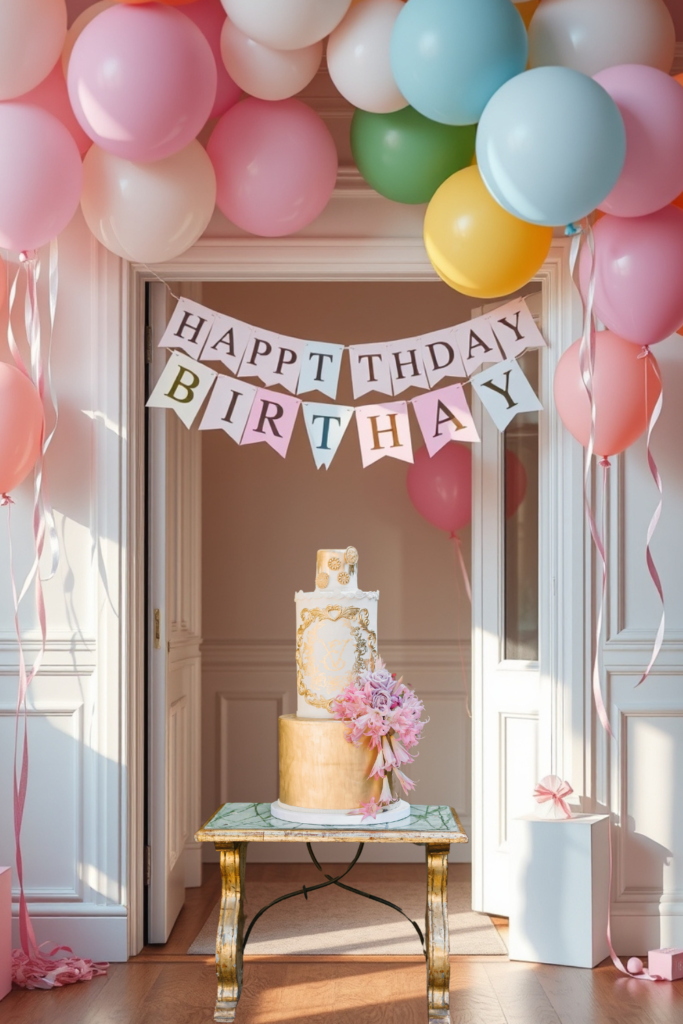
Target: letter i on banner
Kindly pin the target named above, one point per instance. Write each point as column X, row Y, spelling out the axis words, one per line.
column 514, row 327
column 183, row 385
column 444, row 416
column 384, row 430
column 505, row 391
column 227, row 342
column 229, row 407
column 326, row 425
column 271, row 419
column 189, row 328
column 320, row 366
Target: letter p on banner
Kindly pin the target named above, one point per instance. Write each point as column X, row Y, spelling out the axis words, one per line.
column 183, row 386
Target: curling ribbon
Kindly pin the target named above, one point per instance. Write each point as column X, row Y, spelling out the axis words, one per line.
column 652, row 568
column 31, row 968
column 553, row 788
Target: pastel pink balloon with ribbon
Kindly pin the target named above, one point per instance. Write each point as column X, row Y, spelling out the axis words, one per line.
column 553, row 788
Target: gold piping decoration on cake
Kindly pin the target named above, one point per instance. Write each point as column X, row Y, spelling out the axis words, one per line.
column 343, row 578
column 334, row 563
column 365, row 641
column 322, row 580
column 351, row 559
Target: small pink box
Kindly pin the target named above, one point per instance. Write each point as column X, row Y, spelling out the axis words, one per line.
column 5, row 931
column 666, row 963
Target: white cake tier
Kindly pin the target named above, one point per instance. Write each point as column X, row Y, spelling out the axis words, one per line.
column 340, row 819
column 336, row 637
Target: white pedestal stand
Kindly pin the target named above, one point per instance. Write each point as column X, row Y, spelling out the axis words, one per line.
column 340, row 819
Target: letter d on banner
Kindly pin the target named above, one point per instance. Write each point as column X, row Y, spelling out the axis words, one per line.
column 183, row 385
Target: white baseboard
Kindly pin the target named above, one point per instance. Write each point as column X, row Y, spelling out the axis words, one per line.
column 95, row 937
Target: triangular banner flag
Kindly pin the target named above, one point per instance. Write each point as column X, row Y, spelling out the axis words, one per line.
column 441, row 356
column 505, row 391
column 370, row 369
column 384, row 430
column 183, row 385
column 514, row 327
column 405, row 365
column 320, row 366
column 444, row 416
column 189, row 328
column 477, row 344
column 271, row 419
column 229, row 407
column 326, row 425
column 227, row 342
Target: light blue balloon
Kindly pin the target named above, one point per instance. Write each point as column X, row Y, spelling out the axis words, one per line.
column 550, row 145
column 449, row 57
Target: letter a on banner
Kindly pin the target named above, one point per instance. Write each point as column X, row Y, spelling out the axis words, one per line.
column 444, row 416
column 505, row 391
column 229, row 407
column 189, row 328
column 384, row 430
column 182, row 386
column 227, row 342
column 326, row 425
column 272, row 420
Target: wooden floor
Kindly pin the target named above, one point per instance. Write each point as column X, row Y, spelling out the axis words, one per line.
column 165, row 986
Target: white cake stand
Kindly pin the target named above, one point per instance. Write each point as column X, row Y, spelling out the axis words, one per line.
column 341, row 819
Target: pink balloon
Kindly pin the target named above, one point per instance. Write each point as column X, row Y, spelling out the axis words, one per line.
column 440, row 488
column 21, row 427
column 209, row 16
column 638, row 271
column 275, row 163
column 625, row 386
column 142, row 81
column 41, row 176
column 3, row 283
column 651, row 104
column 52, row 95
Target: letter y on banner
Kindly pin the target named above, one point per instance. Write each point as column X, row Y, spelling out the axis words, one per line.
column 189, row 327
column 272, row 420
column 326, row 425
column 444, row 416
column 384, row 430
column 514, row 327
column 182, row 386
column 505, row 391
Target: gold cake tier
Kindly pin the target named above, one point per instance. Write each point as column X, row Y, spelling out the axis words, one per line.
column 319, row 768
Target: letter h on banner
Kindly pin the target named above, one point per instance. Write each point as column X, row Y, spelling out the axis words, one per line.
column 188, row 328
column 384, row 430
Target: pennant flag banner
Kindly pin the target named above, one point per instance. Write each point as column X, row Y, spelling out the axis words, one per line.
column 251, row 415
column 325, row 426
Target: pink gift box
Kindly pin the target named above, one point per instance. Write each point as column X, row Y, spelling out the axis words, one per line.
column 666, row 963
column 5, row 931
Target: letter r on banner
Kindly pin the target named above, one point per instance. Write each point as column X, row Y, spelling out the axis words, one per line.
column 271, row 419
column 384, row 430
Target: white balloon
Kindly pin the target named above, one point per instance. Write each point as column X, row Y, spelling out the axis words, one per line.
column 32, row 34
column 286, row 24
column 358, row 57
column 591, row 35
column 148, row 213
column 263, row 72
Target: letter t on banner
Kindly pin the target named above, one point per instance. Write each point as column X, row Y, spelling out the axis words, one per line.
column 182, row 386
column 189, row 327
column 384, row 430
column 444, row 416
column 320, row 366
column 326, row 425
column 505, row 391
column 272, row 420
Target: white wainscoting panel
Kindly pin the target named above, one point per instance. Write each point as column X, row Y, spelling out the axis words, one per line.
column 247, row 685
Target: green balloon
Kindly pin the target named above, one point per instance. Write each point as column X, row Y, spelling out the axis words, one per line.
column 405, row 156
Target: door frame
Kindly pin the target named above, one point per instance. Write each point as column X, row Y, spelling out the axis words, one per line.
column 122, row 285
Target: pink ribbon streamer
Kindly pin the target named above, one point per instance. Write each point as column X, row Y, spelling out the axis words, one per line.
column 553, row 788
column 652, row 568
column 467, row 681
column 32, row 968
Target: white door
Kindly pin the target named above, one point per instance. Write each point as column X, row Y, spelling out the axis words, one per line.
column 174, row 660
column 521, row 579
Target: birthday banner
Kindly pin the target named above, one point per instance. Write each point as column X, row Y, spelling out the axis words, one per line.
column 251, row 415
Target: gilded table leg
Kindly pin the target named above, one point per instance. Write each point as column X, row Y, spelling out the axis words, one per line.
column 437, row 937
column 230, row 928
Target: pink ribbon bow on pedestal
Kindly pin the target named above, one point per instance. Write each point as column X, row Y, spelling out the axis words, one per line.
column 552, row 787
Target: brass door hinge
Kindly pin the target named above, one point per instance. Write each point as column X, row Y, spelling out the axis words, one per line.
column 148, row 865
column 157, row 629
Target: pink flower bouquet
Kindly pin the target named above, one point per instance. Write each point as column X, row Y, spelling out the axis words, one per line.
column 382, row 708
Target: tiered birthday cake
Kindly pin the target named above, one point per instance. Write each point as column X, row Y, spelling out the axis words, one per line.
column 323, row 776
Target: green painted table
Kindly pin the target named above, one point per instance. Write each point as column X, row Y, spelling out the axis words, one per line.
column 235, row 825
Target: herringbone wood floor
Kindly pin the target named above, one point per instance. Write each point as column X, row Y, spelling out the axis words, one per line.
column 164, row 986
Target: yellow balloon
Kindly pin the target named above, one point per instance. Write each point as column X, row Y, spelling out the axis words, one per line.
column 527, row 9
column 475, row 245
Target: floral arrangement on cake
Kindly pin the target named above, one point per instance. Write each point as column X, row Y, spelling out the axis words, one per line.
column 381, row 708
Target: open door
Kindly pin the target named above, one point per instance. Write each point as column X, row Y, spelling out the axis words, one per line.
column 174, row 660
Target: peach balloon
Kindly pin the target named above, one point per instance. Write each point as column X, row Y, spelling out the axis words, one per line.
column 3, row 283
column 626, row 386
column 21, row 427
